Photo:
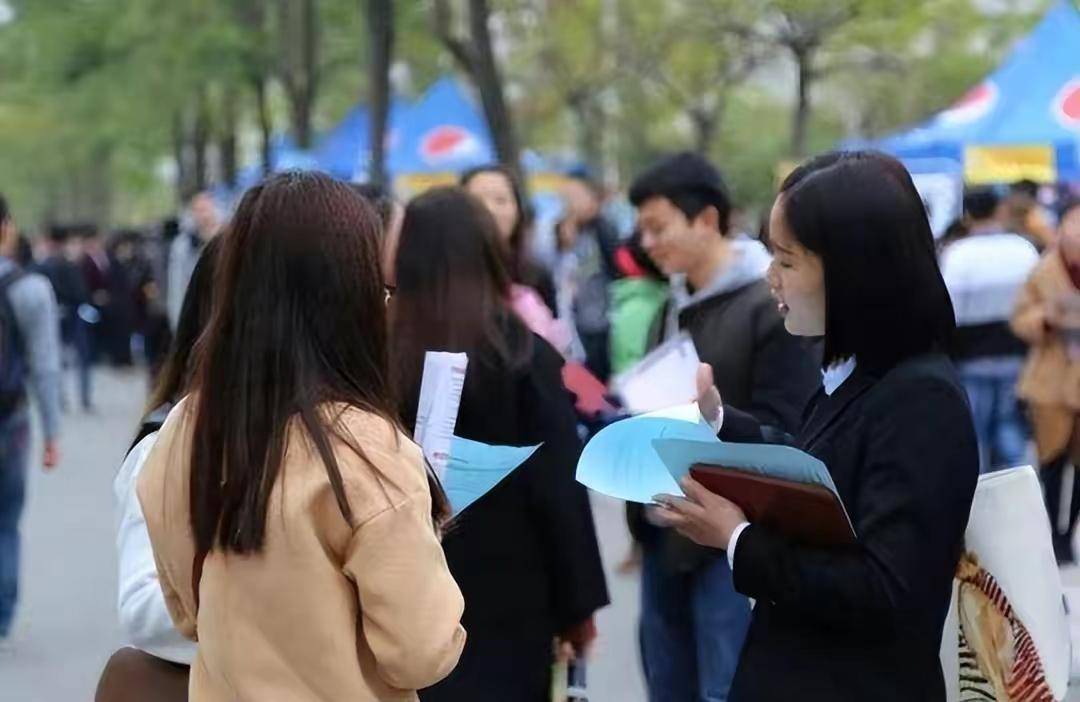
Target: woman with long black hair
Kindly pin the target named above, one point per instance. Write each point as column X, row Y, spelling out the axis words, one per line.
column 294, row 524
column 854, row 263
column 525, row 555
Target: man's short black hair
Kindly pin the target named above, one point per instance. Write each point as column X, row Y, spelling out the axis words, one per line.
column 4, row 213
column 1026, row 187
column 689, row 181
column 981, row 203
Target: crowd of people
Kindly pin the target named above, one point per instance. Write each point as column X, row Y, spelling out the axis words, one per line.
column 274, row 508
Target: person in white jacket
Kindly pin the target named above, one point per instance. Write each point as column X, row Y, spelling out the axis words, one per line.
column 144, row 619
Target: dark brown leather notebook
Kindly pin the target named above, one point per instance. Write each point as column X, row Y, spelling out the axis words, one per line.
column 806, row 514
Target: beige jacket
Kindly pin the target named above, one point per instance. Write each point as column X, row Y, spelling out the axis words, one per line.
column 325, row 612
column 1050, row 382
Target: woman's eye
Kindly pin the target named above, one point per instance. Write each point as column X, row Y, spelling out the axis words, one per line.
column 788, row 266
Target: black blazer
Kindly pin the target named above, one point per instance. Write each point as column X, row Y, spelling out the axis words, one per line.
column 525, row 555
column 865, row 622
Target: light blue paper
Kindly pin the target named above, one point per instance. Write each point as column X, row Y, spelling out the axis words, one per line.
column 475, row 468
column 620, row 460
column 782, row 462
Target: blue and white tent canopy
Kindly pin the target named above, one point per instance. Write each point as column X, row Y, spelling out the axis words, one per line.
column 1030, row 103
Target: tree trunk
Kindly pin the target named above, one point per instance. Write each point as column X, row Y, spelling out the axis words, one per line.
column 590, row 119
column 227, row 147
column 381, row 33
column 804, row 60
column 705, row 123
column 488, row 79
column 266, row 125
column 183, row 173
column 200, row 140
column 300, row 21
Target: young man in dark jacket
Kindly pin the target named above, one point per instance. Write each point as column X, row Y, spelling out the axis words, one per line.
column 693, row 621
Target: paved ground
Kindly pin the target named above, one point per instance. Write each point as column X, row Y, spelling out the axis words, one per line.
column 67, row 624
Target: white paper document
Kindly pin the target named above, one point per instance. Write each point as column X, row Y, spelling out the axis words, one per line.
column 664, row 378
column 437, row 410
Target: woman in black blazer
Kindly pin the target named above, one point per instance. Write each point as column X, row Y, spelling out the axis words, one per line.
column 525, row 555
column 855, row 263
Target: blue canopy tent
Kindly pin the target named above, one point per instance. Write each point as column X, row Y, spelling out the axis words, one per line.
column 443, row 132
column 1022, row 121
column 343, row 152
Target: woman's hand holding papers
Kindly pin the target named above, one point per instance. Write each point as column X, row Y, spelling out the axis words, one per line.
column 709, row 402
column 702, row 516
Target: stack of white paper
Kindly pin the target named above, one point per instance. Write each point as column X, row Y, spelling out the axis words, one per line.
column 437, row 410
column 664, row 378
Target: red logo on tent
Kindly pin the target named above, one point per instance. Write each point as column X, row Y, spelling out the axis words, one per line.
column 1067, row 104
column 975, row 104
column 447, row 142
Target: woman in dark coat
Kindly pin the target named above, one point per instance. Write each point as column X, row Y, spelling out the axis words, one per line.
column 525, row 555
column 855, row 263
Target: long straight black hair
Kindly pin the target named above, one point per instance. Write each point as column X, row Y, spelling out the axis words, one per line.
column 885, row 299
column 299, row 322
column 452, row 292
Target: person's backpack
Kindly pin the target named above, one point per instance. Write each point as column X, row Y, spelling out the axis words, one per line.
column 13, row 362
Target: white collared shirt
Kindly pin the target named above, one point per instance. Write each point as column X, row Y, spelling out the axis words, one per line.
column 831, row 378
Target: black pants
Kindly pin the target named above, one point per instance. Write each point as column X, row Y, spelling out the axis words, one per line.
column 1053, row 479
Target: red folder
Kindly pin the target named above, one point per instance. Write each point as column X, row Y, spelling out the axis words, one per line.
column 807, row 514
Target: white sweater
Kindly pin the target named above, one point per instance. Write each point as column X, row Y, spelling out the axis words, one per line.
column 143, row 617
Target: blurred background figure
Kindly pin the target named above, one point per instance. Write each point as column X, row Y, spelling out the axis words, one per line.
column 202, row 222
column 1048, row 318
column 984, row 271
column 584, row 268
column 1026, row 216
column 497, row 188
column 61, row 267
column 532, row 288
column 637, row 298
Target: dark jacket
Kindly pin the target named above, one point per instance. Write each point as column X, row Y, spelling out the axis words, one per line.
column 865, row 622
column 757, row 365
column 525, row 555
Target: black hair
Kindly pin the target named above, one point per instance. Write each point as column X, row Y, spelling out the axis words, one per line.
column 379, row 198
column 59, row 233
column 24, row 252
column 1026, row 187
column 1070, row 203
column 689, row 181
column 981, row 203
column 4, row 212
column 516, row 255
column 885, row 299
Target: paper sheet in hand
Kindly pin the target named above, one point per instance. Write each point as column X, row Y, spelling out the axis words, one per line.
column 665, row 378
column 475, row 468
column 782, row 462
column 437, row 409
column 621, row 462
